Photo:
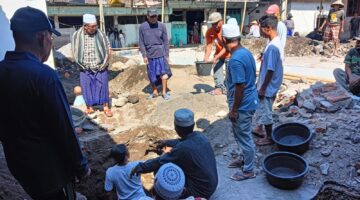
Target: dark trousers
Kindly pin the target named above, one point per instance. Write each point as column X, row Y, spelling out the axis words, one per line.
column 67, row 193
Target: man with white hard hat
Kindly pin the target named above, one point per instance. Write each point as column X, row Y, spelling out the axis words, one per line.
column 91, row 50
column 242, row 99
column 213, row 36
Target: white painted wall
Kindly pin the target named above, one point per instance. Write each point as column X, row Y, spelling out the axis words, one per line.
column 305, row 15
column 131, row 32
column 7, row 10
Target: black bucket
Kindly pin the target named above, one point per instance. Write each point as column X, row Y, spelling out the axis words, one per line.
column 203, row 68
column 285, row 170
column 292, row 137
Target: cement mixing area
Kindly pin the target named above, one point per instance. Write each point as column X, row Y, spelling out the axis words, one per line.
column 333, row 160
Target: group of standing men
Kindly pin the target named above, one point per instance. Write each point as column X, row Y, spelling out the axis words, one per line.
column 247, row 99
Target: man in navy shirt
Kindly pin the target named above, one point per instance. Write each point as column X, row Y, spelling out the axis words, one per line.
column 36, row 129
column 242, row 98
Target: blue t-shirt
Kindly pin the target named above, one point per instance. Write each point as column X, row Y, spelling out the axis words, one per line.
column 242, row 69
column 272, row 61
column 126, row 188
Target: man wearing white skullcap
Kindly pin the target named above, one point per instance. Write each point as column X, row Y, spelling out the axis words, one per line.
column 91, row 50
column 192, row 153
column 242, row 99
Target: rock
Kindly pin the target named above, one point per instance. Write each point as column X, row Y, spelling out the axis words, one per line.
column 221, row 113
column 107, row 127
column 309, row 105
column 131, row 63
column 321, row 127
column 355, row 139
column 125, row 94
column 118, row 66
column 219, row 146
column 357, row 165
column 133, row 99
column 227, row 154
column 324, row 168
column 79, row 196
column 333, row 125
column 347, row 136
column 358, row 172
column 326, row 152
column 304, row 114
column 293, row 109
column 119, row 102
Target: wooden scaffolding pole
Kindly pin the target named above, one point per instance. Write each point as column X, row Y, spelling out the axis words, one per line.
column 243, row 17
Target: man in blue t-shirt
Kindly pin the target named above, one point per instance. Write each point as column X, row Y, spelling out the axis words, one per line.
column 242, row 98
column 270, row 78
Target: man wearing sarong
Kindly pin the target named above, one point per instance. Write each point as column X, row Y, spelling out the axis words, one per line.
column 154, row 47
column 91, row 50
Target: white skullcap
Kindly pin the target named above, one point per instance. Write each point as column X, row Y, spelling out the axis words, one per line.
column 169, row 181
column 230, row 31
column 232, row 21
column 89, row 19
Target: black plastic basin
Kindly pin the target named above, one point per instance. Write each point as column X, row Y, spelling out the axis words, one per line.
column 203, row 68
column 285, row 170
column 292, row 137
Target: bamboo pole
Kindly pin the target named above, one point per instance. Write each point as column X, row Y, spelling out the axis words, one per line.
column 243, row 17
column 101, row 13
column 225, row 8
column 163, row 11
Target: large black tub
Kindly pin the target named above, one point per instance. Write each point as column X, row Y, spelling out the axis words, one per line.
column 285, row 170
column 292, row 137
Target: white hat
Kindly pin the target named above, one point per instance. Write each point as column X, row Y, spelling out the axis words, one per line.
column 232, row 21
column 184, row 117
column 89, row 19
column 169, row 182
column 230, row 31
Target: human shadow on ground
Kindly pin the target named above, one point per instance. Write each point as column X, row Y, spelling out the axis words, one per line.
column 202, row 88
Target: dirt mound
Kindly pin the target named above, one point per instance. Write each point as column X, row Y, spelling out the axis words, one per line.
column 334, row 191
column 138, row 141
column 132, row 79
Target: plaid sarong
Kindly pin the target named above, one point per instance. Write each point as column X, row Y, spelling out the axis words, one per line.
column 332, row 33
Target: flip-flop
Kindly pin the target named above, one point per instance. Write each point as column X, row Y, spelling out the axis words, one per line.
column 152, row 96
column 166, row 96
column 108, row 113
column 236, row 163
column 241, row 177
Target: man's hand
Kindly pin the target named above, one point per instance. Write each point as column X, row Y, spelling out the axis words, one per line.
column 146, row 60
column 342, row 30
column 215, row 59
column 233, row 116
column 259, row 58
column 160, row 144
column 206, row 60
column 261, row 94
column 167, row 149
column 167, row 60
column 135, row 171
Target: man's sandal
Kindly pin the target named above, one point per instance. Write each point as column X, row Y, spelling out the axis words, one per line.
column 108, row 113
column 238, row 176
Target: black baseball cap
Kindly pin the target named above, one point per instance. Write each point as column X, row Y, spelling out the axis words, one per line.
column 32, row 20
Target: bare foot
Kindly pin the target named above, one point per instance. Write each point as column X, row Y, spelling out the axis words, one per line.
column 259, row 132
column 264, row 141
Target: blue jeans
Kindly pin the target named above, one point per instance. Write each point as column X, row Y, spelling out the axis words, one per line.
column 243, row 137
column 219, row 74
